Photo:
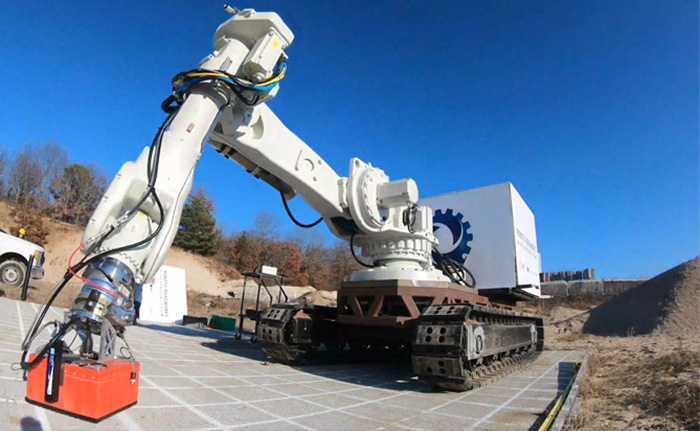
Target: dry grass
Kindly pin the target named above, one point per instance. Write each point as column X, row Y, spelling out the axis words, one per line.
column 631, row 386
column 632, row 383
column 667, row 386
column 204, row 305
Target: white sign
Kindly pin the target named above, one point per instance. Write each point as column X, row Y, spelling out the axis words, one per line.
column 166, row 299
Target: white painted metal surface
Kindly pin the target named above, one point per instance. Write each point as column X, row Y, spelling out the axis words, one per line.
column 497, row 241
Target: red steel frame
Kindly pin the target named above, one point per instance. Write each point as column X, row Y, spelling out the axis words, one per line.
column 351, row 293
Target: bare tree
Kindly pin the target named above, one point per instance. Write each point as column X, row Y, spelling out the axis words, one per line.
column 4, row 165
column 266, row 225
column 25, row 177
column 53, row 159
column 342, row 265
column 305, row 238
column 76, row 193
column 33, row 171
column 317, row 258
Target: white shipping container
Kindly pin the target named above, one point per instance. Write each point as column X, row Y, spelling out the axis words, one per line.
column 491, row 231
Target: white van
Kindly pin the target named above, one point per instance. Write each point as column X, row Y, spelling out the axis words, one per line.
column 14, row 259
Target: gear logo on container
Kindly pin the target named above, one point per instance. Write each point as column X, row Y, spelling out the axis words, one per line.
column 451, row 230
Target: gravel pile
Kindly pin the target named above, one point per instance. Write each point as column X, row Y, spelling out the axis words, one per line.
column 668, row 304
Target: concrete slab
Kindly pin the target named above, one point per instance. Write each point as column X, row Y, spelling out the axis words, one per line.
column 194, row 379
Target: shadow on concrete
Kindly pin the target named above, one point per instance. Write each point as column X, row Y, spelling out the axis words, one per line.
column 186, row 330
column 368, row 368
column 28, row 423
column 566, row 373
column 221, row 341
column 388, row 370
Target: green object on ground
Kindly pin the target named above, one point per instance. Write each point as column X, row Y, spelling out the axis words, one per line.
column 225, row 323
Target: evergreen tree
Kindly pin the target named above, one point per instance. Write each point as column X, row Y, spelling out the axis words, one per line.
column 197, row 231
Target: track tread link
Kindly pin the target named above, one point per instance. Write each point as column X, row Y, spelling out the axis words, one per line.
column 281, row 333
column 444, row 364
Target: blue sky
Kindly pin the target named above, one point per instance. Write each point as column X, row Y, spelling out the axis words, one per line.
column 589, row 108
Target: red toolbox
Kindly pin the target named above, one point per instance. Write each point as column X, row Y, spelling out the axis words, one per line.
column 90, row 392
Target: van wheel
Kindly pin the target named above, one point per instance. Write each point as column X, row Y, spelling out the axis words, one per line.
column 12, row 272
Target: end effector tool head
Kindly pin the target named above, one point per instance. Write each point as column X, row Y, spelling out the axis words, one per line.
column 107, row 294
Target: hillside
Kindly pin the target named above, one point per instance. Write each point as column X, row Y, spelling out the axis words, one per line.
column 207, row 284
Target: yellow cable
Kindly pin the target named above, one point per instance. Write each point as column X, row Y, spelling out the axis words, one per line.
column 554, row 411
column 240, row 80
column 551, row 415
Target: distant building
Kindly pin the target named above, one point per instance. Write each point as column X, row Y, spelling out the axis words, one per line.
column 584, row 274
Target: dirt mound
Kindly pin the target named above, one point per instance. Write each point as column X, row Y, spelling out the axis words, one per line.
column 319, row 297
column 667, row 303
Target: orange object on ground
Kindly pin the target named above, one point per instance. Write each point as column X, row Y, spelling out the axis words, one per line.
column 86, row 392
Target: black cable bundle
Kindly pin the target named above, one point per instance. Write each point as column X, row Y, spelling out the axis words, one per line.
column 296, row 222
column 153, row 163
column 454, row 271
column 352, row 250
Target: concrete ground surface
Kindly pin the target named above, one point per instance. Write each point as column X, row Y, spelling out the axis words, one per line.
column 195, row 379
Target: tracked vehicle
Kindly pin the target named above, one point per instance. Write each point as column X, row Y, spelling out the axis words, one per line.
column 460, row 337
column 457, row 338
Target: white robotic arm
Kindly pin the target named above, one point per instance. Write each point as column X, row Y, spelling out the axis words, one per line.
column 379, row 215
column 135, row 223
column 223, row 101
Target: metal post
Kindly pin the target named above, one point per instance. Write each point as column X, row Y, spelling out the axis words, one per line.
column 279, row 280
column 241, row 314
column 272, row 298
column 279, row 293
column 27, row 277
column 257, row 306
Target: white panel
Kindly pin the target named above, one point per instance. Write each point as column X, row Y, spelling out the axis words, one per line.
column 526, row 253
column 165, row 300
column 495, row 216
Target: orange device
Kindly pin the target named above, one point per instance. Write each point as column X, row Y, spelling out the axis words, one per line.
column 86, row 390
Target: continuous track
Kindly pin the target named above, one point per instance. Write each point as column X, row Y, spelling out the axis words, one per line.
column 454, row 347
column 285, row 333
column 463, row 346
